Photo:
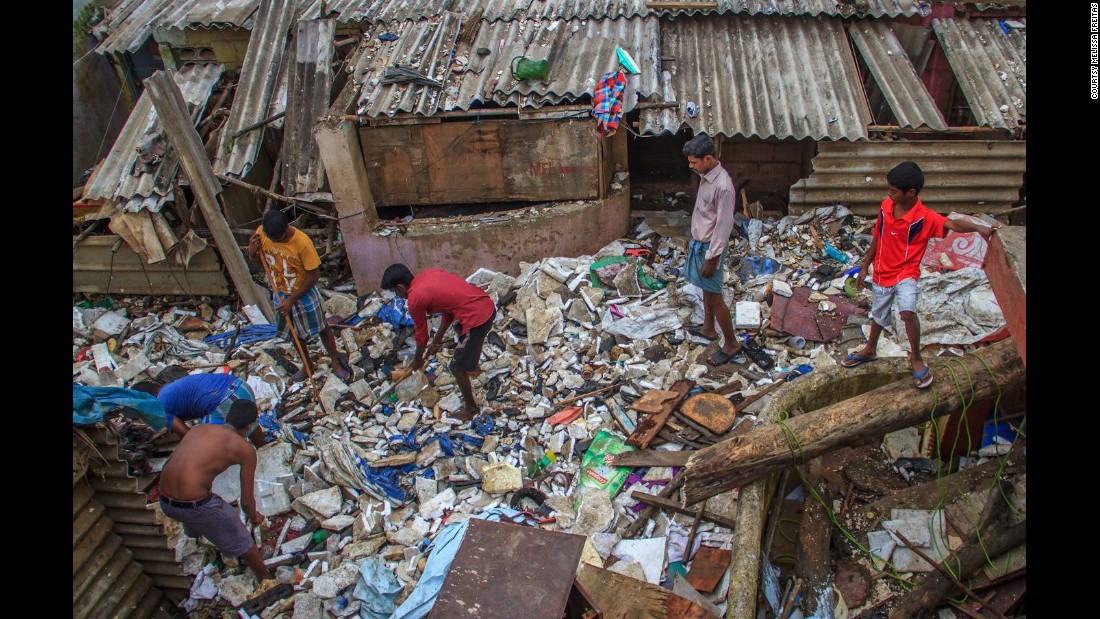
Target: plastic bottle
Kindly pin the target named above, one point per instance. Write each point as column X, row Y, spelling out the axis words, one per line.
column 833, row 253
column 538, row 467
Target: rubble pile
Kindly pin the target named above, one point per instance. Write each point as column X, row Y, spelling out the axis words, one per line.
column 359, row 498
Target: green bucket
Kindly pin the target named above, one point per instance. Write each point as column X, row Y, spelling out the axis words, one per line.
column 527, row 69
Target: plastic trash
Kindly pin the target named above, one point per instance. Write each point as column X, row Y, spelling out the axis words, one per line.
column 835, row 254
column 596, row 472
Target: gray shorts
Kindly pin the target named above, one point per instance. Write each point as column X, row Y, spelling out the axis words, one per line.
column 215, row 520
column 882, row 301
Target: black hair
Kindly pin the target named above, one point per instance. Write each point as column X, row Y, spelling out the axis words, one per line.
column 147, row 386
column 275, row 223
column 905, row 176
column 241, row 414
column 396, row 274
column 700, row 146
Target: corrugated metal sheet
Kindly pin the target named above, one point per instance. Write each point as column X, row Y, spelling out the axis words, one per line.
column 579, row 52
column 963, row 176
column 132, row 23
column 144, row 532
column 151, row 187
column 259, row 75
column 377, row 11
column 97, row 269
column 761, row 76
column 895, row 75
column 990, row 66
column 310, row 89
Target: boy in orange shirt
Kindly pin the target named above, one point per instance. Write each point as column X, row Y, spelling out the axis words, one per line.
column 900, row 237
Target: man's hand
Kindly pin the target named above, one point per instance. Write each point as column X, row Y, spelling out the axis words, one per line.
column 416, row 364
column 687, row 245
column 254, row 245
column 860, row 283
column 434, row 347
column 709, row 267
column 255, row 516
column 285, row 306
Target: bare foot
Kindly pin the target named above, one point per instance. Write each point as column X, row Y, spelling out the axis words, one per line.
column 468, row 412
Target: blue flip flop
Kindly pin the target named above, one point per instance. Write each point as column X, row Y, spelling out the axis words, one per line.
column 855, row 360
column 924, row 379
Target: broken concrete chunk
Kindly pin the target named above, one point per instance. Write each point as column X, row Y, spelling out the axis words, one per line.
column 904, row 443
column 435, row 507
column 405, row 536
column 408, row 420
column 781, row 288
column 358, row 550
column 500, row 478
column 426, row 489
column 325, row 502
column 430, row 396
column 307, row 606
column 632, row 569
column 362, row 391
column 429, row 453
column 110, row 324
column 331, row 584
column 236, row 589
column 595, row 513
column 333, row 389
column 338, row 522
column 136, row 365
column 340, row 304
column 542, row 323
column 298, row 544
column 396, row 460
column 748, row 315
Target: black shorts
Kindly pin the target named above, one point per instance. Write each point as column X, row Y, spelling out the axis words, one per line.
column 468, row 354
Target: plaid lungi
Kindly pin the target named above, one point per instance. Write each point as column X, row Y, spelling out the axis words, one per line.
column 308, row 315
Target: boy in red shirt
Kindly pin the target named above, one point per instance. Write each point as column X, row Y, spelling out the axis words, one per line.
column 435, row 291
column 900, row 236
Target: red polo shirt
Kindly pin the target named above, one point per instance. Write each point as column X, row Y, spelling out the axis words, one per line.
column 435, row 291
column 901, row 242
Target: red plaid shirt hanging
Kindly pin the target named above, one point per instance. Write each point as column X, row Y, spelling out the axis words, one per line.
column 608, row 103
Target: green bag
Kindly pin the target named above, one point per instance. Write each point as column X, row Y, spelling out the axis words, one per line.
column 595, row 470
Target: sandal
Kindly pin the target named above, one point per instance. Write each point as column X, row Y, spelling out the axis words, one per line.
column 343, row 375
column 856, row 359
column 698, row 333
column 924, row 379
column 721, row 357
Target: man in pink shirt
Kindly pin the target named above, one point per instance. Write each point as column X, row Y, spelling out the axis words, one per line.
column 711, row 226
column 435, row 291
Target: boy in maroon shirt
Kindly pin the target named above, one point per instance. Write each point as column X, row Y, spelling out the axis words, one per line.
column 900, row 236
column 435, row 291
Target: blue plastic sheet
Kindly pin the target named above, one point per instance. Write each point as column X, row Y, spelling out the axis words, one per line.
column 396, row 313
column 443, row 550
column 376, row 590
column 472, row 440
column 755, row 266
column 799, row 370
column 249, row 335
column 483, row 424
column 91, row 403
column 387, row 478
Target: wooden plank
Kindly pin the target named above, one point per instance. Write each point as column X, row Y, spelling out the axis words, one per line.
column 1006, row 264
column 708, row 568
column 623, row 597
column 172, row 110
column 649, row 427
column 392, row 155
column 549, row 160
column 650, row 457
column 653, row 401
column 465, row 162
column 673, row 506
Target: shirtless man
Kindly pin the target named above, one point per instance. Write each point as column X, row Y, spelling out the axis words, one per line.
column 185, row 495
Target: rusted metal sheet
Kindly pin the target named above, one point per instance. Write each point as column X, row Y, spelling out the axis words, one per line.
column 797, row 316
column 1006, row 265
column 504, row 570
column 308, row 99
column 578, row 52
column 144, row 184
column 809, row 86
column 895, row 75
column 990, row 66
column 99, row 269
column 710, row 410
column 378, row 11
column 959, row 175
column 259, row 75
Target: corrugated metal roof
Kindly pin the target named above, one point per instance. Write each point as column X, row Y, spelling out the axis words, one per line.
column 895, row 75
column 761, row 76
column 259, row 76
column 579, row 52
column 310, row 88
column 990, row 66
column 960, row 175
column 505, row 10
column 114, row 179
column 133, row 22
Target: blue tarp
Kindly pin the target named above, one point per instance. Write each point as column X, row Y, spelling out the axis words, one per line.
column 396, row 313
column 249, row 335
column 91, row 403
column 376, row 590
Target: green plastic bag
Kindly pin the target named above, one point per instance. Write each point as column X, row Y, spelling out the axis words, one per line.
column 604, row 270
column 595, row 470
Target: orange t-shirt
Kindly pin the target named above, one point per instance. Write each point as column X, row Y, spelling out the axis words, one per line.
column 286, row 263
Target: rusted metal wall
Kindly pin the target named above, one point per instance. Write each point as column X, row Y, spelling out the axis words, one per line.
column 96, row 268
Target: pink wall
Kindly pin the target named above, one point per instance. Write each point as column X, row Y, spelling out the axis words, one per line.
column 568, row 229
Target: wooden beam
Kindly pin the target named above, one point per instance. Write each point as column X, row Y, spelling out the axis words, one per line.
column 347, row 176
column 650, row 457
column 1006, row 265
column 673, row 506
column 897, row 405
column 274, row 196
column 632, row 529
column 172, row 111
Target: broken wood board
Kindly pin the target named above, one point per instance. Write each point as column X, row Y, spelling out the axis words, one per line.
column 493, row 572
column 653, row 401
column 651, row 457
column 623, row 597
column 708, row 567
column 649, row 427
column 652, row 499
column 710, row 410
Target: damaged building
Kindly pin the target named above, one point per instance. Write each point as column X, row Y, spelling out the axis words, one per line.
column 647, row 481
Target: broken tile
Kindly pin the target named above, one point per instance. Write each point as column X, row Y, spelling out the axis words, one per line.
column 632, row 569
column 333, row 389
column 236, row 589
column 358, row 550
column 331, row 584
column 338, row 522
column 325, row 502
column 542, row 323
column 429, row 453
column 435, row 507
column 136, row 365
column 405, row 536
column 650, row 553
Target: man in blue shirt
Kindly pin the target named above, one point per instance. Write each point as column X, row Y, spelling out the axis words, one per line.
column 204, row 397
